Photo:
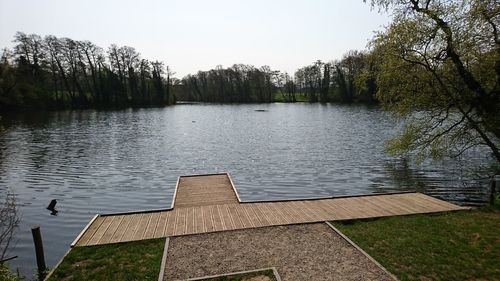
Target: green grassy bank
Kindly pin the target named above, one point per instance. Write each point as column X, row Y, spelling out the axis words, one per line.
column 139, row 260
column 462, row 245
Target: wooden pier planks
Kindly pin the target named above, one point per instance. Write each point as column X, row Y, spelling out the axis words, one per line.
column 220, row 217
column 204, row 190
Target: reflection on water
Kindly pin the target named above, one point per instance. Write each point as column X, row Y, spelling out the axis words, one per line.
column 98, row 162
column 402, row 175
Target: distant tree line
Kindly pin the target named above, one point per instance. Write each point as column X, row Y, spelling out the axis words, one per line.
column 59, row 73
column 237, row 84
column 351, row 79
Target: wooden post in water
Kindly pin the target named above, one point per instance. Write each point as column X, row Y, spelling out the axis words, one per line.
column 40, row 257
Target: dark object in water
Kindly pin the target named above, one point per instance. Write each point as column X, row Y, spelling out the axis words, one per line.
column 261, row 110
column 52, row 207
column 40, row 257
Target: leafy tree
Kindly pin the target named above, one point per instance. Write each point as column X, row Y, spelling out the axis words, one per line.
column 8, row 91
column 348, row 80
column 64, row 73
column 239, row 83
column 438, row 65
column 348, row 69
column 285, row 86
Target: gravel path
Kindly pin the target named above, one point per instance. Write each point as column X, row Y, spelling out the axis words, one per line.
column 299, row 252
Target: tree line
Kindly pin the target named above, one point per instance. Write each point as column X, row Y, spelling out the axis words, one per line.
column 237, row 84
column 347, row 80
column 57, row 73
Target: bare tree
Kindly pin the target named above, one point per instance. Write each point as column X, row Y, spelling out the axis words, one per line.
column 9, row 220
column 30, row 46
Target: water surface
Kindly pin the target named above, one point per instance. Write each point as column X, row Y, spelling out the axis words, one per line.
column 110, row 161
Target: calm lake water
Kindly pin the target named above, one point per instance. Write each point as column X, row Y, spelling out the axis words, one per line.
column 109, row 161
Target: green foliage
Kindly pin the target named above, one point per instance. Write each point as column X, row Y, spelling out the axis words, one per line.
column 53, row 72
column 351, row 79
column 298, row 97
column 125, row 261
column 438, row 67
column 453, row 246
column 496, row 203
column 8, row 92
column 6, row 274
column 236, row 84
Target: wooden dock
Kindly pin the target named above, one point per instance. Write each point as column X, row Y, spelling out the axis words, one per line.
column 194, row 191
column 210, row 203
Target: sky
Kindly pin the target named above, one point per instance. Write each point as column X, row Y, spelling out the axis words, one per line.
column 191, row 35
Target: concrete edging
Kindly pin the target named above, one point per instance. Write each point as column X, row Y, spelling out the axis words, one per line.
column 361, row 250
column 163, row 260
column 275, row 273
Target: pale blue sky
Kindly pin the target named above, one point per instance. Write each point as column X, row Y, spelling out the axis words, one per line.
column 194, row 35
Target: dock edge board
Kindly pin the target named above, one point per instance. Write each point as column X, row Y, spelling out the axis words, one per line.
column 73, row 244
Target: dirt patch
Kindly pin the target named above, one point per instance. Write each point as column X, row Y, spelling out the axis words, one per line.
column 299, row 252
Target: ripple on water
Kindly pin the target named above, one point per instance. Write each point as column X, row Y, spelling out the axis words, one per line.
column 112, row 161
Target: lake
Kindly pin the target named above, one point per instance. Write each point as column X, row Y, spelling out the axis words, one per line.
column 109, row 161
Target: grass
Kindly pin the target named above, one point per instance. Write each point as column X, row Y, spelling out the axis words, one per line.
column 452, row 246
column 6, row 274
column 244, row 276
column 139, row 260
column 299, row 97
